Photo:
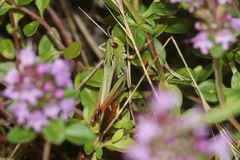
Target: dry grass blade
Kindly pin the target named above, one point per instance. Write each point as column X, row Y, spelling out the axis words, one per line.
column 90, row 74
column 92, row 43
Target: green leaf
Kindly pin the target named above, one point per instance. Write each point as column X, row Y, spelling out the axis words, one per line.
column 111, row 4
column 88, row 98
column 160, row 51
column 159, row 29
column 9, row 28
column 46, row 49
column 55, row 132
column 125, row 122
column 99, row 153
column 95, row 80
column 30, row 28
column 17, row 15
column 117, row 135
column 139, row 36
column 235, row 81
column 237, row 57
column 119, row 33
column 42, row 5
column 21, row 135
column 177, row 25
column 7, row 48
column 202, row 73
column 5, row 67
column 70, row 93
column 184, row 72
column 79, row 134
column 217, row 51
column 121, row 145
column 160, row 9
column 24, row 2
column 230, row 109
column 89, row 148
column 208, row 89
column 4, row 8
column 73, row 50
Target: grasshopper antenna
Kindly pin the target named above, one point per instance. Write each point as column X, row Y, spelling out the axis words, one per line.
column 94, row 21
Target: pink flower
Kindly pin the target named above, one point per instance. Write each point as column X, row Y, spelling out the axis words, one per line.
column 21, row 112
column 139, row 152
column 37, row 91
column 165, row 101
column 202, row 42
column 11, row 92
column 13, row 77
column 60, row 70
column 27, row 57
column 235, row 22
column 37, row 120
column 167, row 136
column 51, row 110
column 175, row 1
column 194, row 4
column 221, row 2
column 31, row 95
column 43, row 68
column 225, row 38
column 220, row 146
column 67, row 107
column 59, row 93
column 147, row 129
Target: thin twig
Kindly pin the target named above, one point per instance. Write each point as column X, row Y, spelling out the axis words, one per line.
column 46, row 150
column 41, row 21
column 89, row 75
column 92, row 43
column 219, row 87
column 218, row 78
column 155, row 54
column 73, row 29
column 59, row 24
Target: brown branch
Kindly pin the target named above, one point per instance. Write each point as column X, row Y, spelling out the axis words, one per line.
column 46, row 150
column 155, row 54
column 41, row 21
column 44, row 24
column 59, row 24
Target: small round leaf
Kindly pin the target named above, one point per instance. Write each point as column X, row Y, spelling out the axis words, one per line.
column 21, row 135
column 73, row 50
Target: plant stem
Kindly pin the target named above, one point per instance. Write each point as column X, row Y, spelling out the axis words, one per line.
column 46, row 150
column 132, row 10
column 41, row 21
column 60, row 25
column 155, row 54
column 218, row 79
column 136, row 4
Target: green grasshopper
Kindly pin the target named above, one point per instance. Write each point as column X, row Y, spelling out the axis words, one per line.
column 114, row 64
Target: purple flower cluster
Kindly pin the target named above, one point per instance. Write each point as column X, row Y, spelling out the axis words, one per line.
column 166, row 136
column 217, row 25
column 37, row 91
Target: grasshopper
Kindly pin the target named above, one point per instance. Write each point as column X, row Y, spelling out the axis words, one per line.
column 114, row 65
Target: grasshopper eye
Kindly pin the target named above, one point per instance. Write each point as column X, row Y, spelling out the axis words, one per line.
column 114, row 45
